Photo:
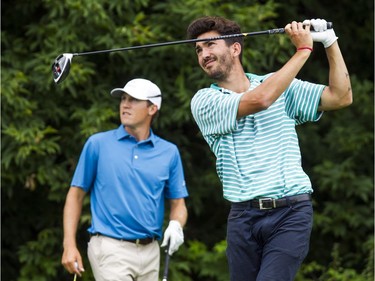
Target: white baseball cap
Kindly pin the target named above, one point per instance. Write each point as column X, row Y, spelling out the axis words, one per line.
column 140, row 89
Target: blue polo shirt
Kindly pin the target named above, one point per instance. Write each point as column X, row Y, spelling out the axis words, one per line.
column 128, row 182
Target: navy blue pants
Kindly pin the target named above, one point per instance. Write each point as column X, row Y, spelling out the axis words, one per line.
column 268, row 245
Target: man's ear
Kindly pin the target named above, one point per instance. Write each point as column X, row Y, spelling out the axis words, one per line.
column 236, row 49
column 153, row 109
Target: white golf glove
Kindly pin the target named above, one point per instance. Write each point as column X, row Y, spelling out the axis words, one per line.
column 320, row 32
column 174, row 235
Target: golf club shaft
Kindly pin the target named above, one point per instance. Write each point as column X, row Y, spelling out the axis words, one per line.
column 247, row 34
column 166, row 263
column 269, row 31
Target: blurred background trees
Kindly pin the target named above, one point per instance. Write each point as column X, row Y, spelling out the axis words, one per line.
column 44, row 125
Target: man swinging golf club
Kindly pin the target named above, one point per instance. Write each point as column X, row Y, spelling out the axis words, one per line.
column 129, row 173
column 249, row 124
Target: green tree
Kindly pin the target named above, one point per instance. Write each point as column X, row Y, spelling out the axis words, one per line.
column 44, row 125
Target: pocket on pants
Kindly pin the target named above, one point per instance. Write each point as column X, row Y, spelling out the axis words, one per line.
column 236, row 213
column 93, row 253
column 94, row 246
column 303, row 207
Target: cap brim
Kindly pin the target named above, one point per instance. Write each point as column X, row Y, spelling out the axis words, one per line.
column 117, row 93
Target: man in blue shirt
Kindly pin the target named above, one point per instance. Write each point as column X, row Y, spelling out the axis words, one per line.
column 249, row 123
column 129, row 172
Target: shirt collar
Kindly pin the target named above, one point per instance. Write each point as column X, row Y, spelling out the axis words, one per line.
column 217, row 87
column 250, row 76
column 121, row 133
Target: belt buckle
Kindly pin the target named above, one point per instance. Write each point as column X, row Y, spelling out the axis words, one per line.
column 266, row 200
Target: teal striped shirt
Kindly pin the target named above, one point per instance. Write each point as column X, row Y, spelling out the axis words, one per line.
column 257, row 155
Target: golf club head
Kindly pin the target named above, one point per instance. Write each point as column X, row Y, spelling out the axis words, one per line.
column 61, row 67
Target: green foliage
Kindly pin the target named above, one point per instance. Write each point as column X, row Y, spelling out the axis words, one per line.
column 335, row 270
column 39, row 257
column 44, row 125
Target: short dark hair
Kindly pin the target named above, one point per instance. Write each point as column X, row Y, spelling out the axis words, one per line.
column 221, row 25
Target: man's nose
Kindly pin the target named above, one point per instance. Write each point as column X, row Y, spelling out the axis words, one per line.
column 125, row 102
column 205, row 53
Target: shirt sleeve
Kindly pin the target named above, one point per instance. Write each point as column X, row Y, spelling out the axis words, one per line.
column 85, row 172
column 215, row 111
column 176, row 186
column 302, row 101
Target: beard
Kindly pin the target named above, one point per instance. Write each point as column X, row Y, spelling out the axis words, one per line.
column 221, row 70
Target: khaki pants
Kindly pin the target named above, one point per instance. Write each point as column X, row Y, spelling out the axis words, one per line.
column 115, row 260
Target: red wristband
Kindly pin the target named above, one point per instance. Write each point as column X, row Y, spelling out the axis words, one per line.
column 305, row 48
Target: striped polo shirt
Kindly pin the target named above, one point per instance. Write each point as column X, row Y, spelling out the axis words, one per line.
column 257, row 155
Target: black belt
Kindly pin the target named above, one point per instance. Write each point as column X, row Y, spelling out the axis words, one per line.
column 270, row 203
column 144, row 241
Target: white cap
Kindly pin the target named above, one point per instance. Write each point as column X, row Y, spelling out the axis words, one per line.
column 140, row 89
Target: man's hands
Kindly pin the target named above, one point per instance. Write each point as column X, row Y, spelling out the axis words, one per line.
column 320, row 32
column 72, row 261
column 299, row 35
column 174, row 235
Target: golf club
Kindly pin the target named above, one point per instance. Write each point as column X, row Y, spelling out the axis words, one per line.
column 166, row 263
column 61, row 65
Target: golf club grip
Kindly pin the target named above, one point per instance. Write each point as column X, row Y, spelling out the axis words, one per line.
column 282, row 30
column 166, row 264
